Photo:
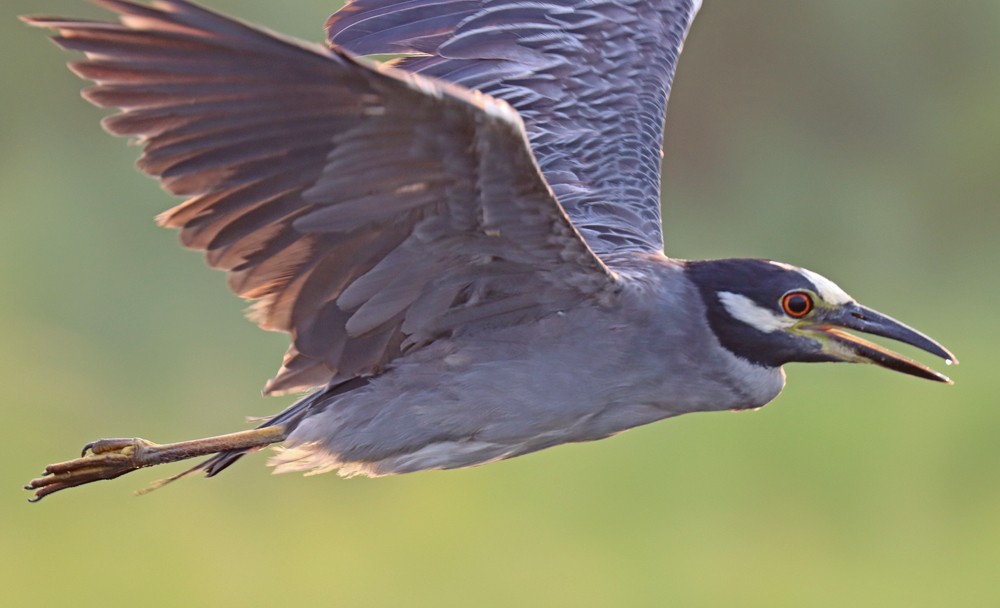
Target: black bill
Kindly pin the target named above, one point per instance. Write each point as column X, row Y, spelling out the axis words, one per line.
column 849, row 347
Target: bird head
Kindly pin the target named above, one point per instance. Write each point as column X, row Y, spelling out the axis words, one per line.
column 770, row 313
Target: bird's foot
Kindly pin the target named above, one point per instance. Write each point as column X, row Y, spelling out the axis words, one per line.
column 101, row 459
column 111, row 458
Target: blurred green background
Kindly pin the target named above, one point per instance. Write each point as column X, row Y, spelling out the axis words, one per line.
column 860, row 139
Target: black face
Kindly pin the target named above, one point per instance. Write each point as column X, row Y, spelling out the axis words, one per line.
column 782, row 291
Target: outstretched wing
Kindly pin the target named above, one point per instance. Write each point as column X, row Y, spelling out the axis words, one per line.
column 369, row 211
column 590, row 78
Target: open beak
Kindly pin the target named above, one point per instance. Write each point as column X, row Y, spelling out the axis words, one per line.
column 847, row 347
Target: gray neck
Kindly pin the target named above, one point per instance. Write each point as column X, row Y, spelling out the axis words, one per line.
column 678, row 353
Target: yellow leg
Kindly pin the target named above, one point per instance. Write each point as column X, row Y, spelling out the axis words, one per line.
column 111, row 458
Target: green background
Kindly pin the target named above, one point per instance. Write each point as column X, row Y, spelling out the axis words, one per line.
column 860, row 139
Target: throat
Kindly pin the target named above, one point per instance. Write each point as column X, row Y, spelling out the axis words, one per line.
column 754, row 384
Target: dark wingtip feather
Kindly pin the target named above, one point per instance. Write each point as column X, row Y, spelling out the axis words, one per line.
column 49, row 22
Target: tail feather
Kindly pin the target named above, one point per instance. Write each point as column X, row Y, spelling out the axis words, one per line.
column 290, row 418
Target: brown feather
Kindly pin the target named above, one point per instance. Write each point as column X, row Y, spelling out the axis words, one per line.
column 368, row 211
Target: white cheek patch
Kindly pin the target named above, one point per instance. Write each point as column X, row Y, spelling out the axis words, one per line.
column 749, row 312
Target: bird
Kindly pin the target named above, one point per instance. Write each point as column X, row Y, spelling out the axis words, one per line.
column 463, row 242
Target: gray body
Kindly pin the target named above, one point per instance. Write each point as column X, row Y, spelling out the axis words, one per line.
column 502, row 392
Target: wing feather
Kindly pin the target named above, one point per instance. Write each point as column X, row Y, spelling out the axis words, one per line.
column 590, row 78
column 368, row 211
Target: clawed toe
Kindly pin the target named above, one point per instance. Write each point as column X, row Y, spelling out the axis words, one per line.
column 100, row 460
column 122, row 445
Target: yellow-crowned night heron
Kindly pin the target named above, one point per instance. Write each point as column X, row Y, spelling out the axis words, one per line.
column 464, row 244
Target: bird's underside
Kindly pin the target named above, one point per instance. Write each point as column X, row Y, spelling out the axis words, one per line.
column 488, row 395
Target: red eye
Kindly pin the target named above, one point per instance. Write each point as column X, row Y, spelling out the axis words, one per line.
column 797, row 304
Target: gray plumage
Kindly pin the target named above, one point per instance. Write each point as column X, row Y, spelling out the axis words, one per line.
column 589, row 78
column 464, row 244
column 505, row 391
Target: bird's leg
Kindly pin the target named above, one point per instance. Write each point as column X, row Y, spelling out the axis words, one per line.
column 111, row 458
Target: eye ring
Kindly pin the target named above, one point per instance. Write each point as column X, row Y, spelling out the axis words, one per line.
column 797, row 304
